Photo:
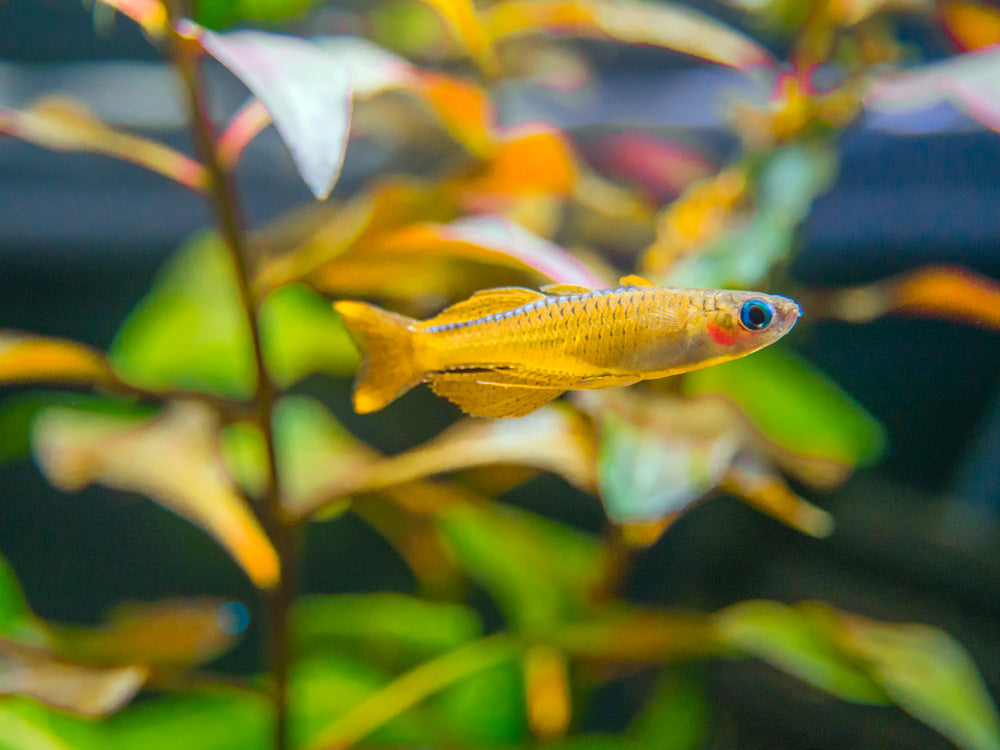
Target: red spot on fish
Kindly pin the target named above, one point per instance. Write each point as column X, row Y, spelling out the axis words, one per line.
column 720, row 335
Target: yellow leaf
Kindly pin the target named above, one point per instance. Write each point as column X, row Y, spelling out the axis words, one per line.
column 546, row 686
column 767, row 491
column 173, row 459
column 64, row 124
column 659, row 24
column 555, row 439
column 91, row 691
column 29, row 358
column 462, row 19
column 163, row 635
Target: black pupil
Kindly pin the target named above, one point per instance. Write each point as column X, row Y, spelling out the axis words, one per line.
column 755, row 315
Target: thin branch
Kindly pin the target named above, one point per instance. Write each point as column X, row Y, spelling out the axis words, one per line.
column 278, row 525
column 411, row 688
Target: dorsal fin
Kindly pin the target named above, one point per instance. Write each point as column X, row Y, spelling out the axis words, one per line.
column 561, row 289
column 482, row 303
column 633, row 280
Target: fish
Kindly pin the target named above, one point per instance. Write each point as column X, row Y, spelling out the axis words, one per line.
column 506, row 352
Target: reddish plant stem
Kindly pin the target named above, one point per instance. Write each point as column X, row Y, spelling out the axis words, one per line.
column 279, row 526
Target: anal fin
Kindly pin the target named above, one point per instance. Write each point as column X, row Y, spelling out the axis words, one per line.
column 481, row 394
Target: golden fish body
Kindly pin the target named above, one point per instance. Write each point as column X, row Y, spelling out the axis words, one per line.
column 505, row 352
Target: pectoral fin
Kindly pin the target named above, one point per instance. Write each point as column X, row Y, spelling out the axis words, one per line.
column 476, row 394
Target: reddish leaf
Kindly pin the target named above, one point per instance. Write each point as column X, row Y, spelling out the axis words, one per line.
column 970, row 82
column 662, row 168
column 306, row 91
column 150, row 14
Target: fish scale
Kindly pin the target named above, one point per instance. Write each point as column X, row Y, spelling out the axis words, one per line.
column 505, row 352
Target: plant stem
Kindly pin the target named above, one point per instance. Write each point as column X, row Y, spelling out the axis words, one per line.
column 279, row 527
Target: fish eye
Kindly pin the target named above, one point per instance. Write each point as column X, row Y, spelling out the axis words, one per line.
column 756, row 315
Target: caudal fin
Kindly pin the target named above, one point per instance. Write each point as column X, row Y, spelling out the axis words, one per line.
column 388, row 368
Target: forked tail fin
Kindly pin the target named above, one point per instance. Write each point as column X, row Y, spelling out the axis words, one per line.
column 388, row 367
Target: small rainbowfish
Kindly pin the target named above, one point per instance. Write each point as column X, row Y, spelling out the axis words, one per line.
column 506, row 352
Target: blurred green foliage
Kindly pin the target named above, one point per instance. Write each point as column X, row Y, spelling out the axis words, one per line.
column 515, row 619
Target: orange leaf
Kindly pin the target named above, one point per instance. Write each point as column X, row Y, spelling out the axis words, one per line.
column 64, row 124
column 530, row 162
column 936, row 292
column 173, row 459
column 971, row 25
column 464, row 108
column 28, row 358
column 949, row 293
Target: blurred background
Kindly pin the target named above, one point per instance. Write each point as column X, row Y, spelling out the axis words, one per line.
column 82, row 237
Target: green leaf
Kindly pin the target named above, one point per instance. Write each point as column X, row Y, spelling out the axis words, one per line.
column 790, row 640
column 302, row 335
column 17, row 621
column 385, row 625
column 326, row 687
column 189, row 332
column 486, row 708
column 927, row 673
column 217, row 14
column 201, row 720
column 28, row 725
column 314, row 450
column 538, row 571
column 675, row 716
column 788, row 400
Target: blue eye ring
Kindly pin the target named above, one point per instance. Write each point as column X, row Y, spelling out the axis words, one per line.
column 756, row 315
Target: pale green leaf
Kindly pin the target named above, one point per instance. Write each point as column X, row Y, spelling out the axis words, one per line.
column 788, row 639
